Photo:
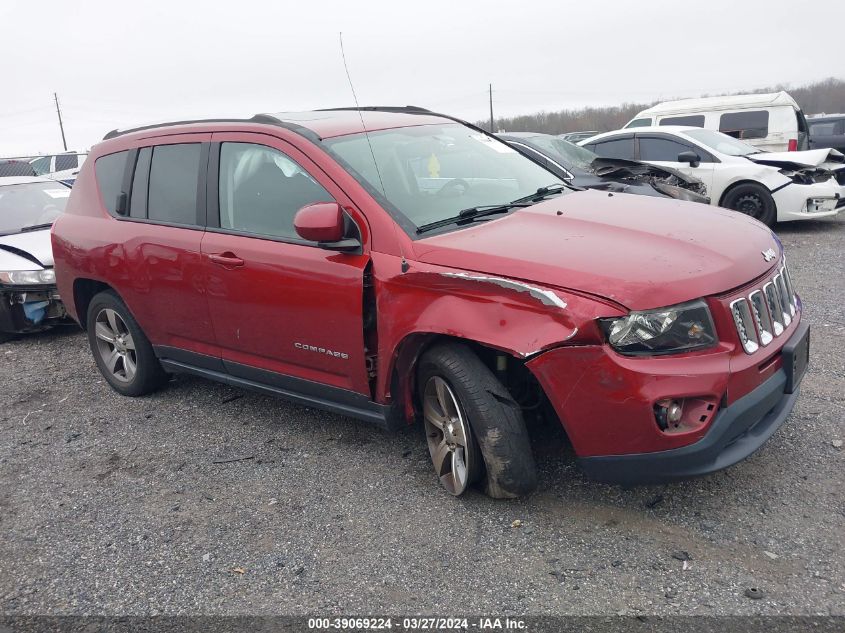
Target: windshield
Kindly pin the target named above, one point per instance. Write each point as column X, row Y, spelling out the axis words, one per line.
column 30, row 204
column 722, row 142
column 428, row 173
column 565, row 152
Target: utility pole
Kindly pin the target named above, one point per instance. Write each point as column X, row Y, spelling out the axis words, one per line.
column 62, row 127
column 492, row 128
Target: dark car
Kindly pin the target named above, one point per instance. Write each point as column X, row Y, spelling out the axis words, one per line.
column 583, row 168
column 827, row 131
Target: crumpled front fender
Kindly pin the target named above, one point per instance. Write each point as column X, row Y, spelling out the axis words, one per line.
column 519, row 318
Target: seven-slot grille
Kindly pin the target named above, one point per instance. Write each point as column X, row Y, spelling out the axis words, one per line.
column 765, row 313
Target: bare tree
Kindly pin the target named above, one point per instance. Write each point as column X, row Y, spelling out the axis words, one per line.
column 827, row 95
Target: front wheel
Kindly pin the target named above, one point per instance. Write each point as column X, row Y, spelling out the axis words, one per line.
column 474, row 429
column 754, row 200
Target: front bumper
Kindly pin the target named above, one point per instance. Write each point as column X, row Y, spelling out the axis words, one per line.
column 25, row 309
column 738, row 431
column 804, row 202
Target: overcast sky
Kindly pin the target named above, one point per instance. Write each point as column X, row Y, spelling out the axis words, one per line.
column 115, row 64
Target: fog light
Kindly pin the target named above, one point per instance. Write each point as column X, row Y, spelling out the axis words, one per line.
column 668, row 412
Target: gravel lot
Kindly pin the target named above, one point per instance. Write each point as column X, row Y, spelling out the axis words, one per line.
column 119, row 506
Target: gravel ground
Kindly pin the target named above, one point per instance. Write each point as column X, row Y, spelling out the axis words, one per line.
column 111, row 505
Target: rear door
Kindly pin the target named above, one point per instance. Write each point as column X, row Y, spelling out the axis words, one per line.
column 285, row 311
column 159, row 238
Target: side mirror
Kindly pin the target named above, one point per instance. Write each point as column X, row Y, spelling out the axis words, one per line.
column 692, row 158
column 324, row 223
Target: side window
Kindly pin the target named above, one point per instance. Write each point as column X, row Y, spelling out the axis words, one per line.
column 746, row 124
column 662, row 149
column 261, row 189
column 172, row 195
column 695, row 120
column 639, row 123
column 615, row 148
column 140, row 184
column 830, row 128
column 109, row 171
column 66, row 161
column 41, row 165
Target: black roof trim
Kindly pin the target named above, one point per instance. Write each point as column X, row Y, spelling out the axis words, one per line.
column 258, row 118
column 408, row 109
column 312, row 136
column 411, row 109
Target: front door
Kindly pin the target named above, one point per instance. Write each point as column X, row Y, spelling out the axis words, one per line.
column 663, row 152
column 281, row 307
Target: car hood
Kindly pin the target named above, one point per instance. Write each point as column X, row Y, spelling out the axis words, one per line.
column 642, row 252
column 26, row 251
column 826, row 158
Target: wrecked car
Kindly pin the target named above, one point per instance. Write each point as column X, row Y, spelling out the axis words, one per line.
column 769, row 186
column 404, row 267
column 29, row 301
column 582, row 168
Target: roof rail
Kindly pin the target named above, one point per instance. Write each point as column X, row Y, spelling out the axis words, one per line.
column 267, row 119
column 410, row 109
column 270, row 119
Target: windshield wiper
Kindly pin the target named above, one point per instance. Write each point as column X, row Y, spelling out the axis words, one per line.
column 468, row 215
column 542, row 193
column 36, row 227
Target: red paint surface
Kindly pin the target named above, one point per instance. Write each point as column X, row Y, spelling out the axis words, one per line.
column 600, row 254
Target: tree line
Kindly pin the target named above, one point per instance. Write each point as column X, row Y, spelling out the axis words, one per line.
column 827, row 96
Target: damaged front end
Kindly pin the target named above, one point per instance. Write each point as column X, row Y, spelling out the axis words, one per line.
column 30, row 309
column 665, row 180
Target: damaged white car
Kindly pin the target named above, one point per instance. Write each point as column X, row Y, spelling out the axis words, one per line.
column 29, row 301
column 769, row 186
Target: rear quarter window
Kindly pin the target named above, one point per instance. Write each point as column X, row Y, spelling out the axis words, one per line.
column 109, row 170
column 694, row 120
column 745, row 124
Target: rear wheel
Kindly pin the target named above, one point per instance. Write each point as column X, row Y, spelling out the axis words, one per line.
column 754, row 200
column 123, row 353
column 474, row 429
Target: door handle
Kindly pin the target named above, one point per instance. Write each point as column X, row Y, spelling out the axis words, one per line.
column 227, row 260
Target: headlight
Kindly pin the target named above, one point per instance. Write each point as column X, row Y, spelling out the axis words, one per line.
column 679, row 193
column 28, row 277
column 680, row 328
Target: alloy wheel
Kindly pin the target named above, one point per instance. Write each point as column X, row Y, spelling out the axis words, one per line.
column 448, row 435
column 116, row 345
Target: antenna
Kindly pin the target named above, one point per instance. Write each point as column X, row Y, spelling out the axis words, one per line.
column 357, row 107
column 367, row 136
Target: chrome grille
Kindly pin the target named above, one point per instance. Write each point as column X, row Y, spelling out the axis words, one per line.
column 766, row 312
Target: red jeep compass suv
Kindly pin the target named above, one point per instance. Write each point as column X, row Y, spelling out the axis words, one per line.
column 397, row 265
